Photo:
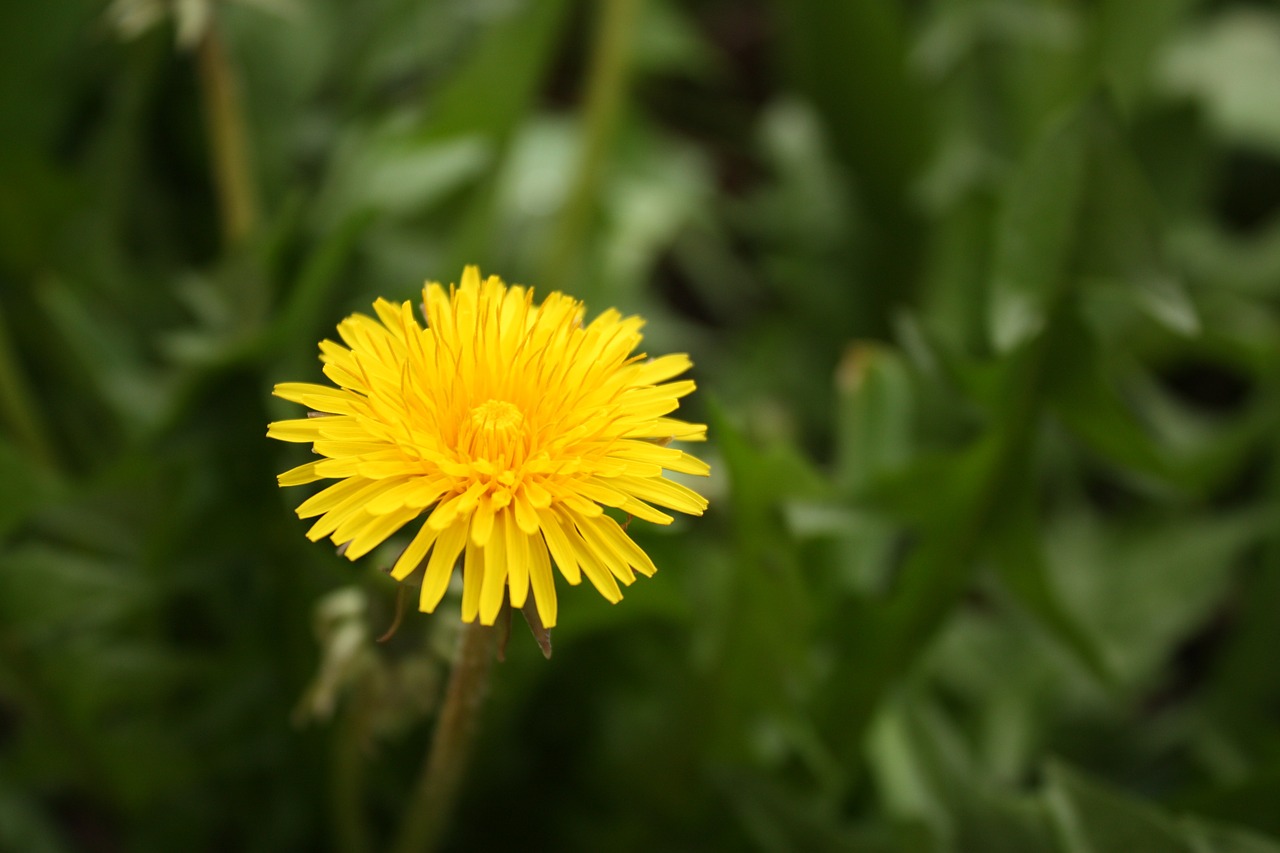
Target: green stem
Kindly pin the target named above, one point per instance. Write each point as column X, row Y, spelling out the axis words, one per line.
column 17, row 406
column 348, row 781
column 228, row 140
column 431, row 805
column 606, row 88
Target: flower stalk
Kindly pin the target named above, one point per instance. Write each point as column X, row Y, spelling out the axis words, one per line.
column 606, row 88
column 228, row 138
column 434, row 794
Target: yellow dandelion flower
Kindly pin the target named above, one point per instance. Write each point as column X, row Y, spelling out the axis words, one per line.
column 510, row 426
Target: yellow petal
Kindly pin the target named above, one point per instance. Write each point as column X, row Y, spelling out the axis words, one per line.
column 517, row 559
column 601, row 578
column 642, row 510
column 328, row 498
column 605, row 549
column 660, row 369
column 298, row 430
column 472, row 580
column 301, row 475
column 440, row 567
column 525, row 514
column 411, row 557
column 624, row 545
column 494, row 589
column 544, row 588
column 376, row 532
column 349, row 506
column 482, row 521
column 663, row 492
column 558, row 543
column 320, row 398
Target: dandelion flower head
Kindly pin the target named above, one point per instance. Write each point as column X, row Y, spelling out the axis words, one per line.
column 502, row 430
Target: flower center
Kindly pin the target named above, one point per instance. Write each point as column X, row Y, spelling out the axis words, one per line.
column 496, row 416
column 492, row 429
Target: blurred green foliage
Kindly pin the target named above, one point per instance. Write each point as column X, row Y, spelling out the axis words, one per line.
column 984, row 297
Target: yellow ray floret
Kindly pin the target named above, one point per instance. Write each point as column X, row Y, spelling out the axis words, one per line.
column 500, row 429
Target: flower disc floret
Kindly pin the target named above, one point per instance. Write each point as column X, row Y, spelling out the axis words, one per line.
column 503, row 428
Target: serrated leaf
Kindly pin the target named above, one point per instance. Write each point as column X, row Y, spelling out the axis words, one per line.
column 1084, row 398
column 1021, row 564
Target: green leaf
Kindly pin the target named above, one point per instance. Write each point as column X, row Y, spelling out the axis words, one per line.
column 924, row 770
column 1038, row 231
column 391, row 171
column 1229, row 66
column 1140, row 588
column 1024, row 571
column 1216, row 838
column 1085, row 399
column 764, row 612
column 1078, row 209
column 875, row 415
column 851, row 61
column 500, row 78
column 1092, row 818
column 24, row 486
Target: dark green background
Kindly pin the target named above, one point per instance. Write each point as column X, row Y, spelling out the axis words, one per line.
column 984, row 301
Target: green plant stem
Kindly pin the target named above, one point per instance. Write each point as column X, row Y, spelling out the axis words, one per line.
column 428, row 810
column 228, row 140
column 17, row 406
column 348, row 781
column 606, row 87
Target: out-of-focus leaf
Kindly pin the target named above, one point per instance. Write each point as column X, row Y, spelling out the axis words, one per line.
column 1091, row 818
column 1120, row 237
column 494, row 88
column 1131, row 37
column 777, row 819
column 874, row 425
column 763, row 618
column 24, row 486
column 1213, row 838
column 1250, row 802
column 667, row 41
column 875, row 418
column 959, row 30
column 1037, row 232
column 1077, row 209
column 47, row 592
column 850, row 60
column 1084, row 399
column 396, row 174
column 657, row 196
column 921, row 763
column 135, row 391
column 1229, row 67
column 300, row 317
column 24, row 825
column 1247, row 265
column 955, row 279
column 1024, row 570
column 1140, row 589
